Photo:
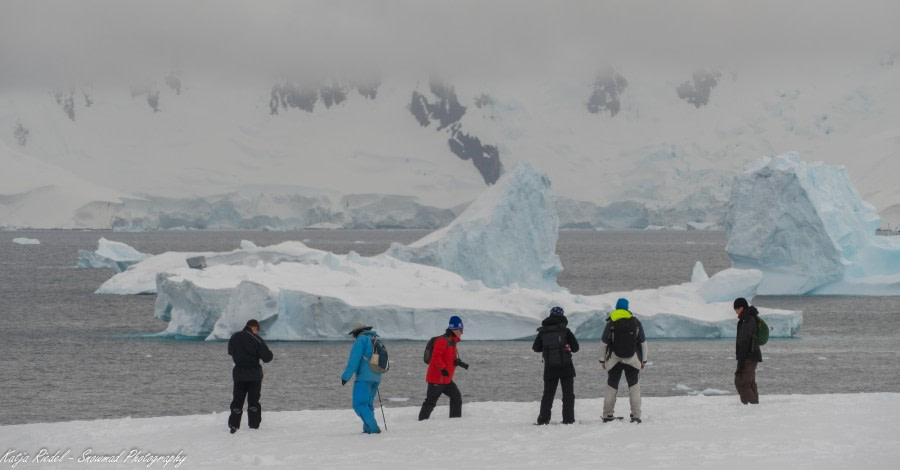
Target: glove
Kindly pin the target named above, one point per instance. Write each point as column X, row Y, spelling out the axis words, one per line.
column 343, row 382
column 445, row 373
column 459, row 362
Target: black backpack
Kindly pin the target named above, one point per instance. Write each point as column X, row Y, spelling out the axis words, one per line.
column 624, row 337
column 554, row 348
column 429, row 348
column 379, row 362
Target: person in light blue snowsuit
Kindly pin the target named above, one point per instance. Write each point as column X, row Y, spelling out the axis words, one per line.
column 366, row 385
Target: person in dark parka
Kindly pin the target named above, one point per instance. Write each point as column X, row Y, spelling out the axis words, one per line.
column 557, row 343
column 246, row 348
column 747, row 351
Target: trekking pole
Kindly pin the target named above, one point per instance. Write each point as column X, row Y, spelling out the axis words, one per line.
column 382, row 410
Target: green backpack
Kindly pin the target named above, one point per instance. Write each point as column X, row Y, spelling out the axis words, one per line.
column 762, row 331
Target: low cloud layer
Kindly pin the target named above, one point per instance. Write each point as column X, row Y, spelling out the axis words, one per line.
column 510, row 38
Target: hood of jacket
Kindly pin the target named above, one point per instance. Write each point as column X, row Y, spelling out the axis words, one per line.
column 554, row 322
column 748, row 312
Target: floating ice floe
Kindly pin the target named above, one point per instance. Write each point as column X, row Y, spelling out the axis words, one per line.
column 321, row 296
column 141, row 278
column 109, row 254
column 809, row 232
column 26, row 241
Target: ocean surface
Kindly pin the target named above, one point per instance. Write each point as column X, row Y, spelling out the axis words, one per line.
column 68, row 354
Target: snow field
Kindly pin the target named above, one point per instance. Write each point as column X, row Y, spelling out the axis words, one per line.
column 785, row 431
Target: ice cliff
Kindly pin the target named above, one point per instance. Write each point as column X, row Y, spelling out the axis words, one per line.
column 807, row 229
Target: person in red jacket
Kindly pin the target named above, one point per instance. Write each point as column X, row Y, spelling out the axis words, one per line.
column 444, row 359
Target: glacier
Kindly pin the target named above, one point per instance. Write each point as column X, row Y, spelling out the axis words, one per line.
column 300, row 293
column 506, row 236
column 114, row 255
column 809, row 232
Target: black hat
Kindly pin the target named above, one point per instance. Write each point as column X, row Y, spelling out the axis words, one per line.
column 740, row 302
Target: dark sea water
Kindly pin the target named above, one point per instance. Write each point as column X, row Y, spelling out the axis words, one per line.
column 70, row 354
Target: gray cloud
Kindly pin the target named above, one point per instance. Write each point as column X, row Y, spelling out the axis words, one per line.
column 505, row 39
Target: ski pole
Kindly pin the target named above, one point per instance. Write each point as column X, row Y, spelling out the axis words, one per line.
column 382, row 409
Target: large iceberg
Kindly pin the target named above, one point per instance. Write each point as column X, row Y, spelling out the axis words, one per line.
column 506, row 237
column 322, row 295
column 300, row 293
column 807, row 229
column 110, row 254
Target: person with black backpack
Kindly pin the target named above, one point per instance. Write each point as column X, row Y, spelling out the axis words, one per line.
column 365, row 388
column 626, row 351
column 557, row 343
column 442, row 362
column 246, row 349
column 747, row 351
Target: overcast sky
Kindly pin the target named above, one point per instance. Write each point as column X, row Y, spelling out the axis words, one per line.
column 496, row 39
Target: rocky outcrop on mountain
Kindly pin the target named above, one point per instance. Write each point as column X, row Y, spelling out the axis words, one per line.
column 305, row 96
column 697, row 90
column 446, row 110
column 608, row 88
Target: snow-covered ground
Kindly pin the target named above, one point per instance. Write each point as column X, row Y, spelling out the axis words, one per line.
column 785, row 431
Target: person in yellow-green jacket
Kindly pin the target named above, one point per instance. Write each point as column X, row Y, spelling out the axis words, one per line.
column 626, row 351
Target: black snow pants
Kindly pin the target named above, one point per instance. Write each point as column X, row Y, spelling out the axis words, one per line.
column 250, row 390
column 568, row 400
column 434, row 392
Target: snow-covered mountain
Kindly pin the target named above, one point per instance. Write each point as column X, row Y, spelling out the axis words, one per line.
column 626, row 143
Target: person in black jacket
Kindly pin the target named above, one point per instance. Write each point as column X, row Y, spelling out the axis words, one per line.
column 747, row 351
column 557, row 343
column 246, row 348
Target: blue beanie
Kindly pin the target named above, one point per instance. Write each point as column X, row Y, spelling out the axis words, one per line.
column 455, row 323
column 557, row 311
column 622, row 304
